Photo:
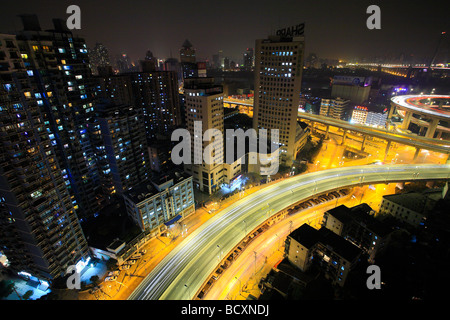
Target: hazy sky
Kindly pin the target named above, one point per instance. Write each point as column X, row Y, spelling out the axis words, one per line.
column 334, row 29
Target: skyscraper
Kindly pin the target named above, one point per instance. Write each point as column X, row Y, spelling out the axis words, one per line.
column 278, row 78
column 155, row 93
column 99, row 57
column 204, row 111
column 40, row 232
column 121, row 147
column 59, row 64
column 150, row 63
column 248, row 59
column 188, row 60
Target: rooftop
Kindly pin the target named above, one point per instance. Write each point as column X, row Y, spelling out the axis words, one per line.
column 308, row 237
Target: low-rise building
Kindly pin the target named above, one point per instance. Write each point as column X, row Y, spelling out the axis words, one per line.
column 359, row 226
column 161, row 202
column 411, row 207
column 331, row 253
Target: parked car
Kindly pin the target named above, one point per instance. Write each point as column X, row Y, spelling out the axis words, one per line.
column 113, row 273
column 125, row 267
column 143, row 251
column 111, row 278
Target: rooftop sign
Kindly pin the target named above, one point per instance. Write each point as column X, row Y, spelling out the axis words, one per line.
column 297, row 30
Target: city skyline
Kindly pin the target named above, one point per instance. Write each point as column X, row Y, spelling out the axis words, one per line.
column 293, row 176
column 333, row 30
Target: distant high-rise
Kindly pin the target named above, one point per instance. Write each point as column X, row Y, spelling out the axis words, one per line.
column 40, row 232
column 248, row 59
column 188, row 61
column 204, row 110
column 121, row 147
column 278, row 79
column 150, row 63
column 99, row 57
column 124, row 63
column 187, row 52
column 155, row 93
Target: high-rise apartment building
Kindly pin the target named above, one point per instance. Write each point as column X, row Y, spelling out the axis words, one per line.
column 60, row 65
column 99, row 57
column 278, row 78
column 118, row 134
column 40, row 232
column 155, row 93
column 204, row 110
column 337, row 108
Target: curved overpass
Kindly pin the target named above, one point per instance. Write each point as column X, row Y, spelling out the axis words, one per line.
column 184, row 270
column 422, row 105
column 437, row 145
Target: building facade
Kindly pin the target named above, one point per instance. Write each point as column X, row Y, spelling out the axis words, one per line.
column 161, row 202
column 278, row 78
column 204, row 111
column 40, row 232
column 331, row 253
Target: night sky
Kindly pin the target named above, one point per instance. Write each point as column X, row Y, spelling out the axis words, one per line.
column 334, row 29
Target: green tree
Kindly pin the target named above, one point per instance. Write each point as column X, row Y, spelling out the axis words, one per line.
column 28, row 295
column 95, row 280
column 6, row 288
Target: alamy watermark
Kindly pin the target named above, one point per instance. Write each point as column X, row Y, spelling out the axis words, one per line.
column 212, row 153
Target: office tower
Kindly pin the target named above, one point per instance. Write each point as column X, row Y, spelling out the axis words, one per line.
column 150, row 63
column 155, row 93
column 99, row 57
column 278, row 78
column 187, row 52
column 161, row 201
column 173, row 64
column 124, row 63
column 118, row 135
column 204, row 110
column 248, row 59
column 355, row 89
column 188, row 61
column 226, row 63
column 335, row 108
column 40, row 232
column 59, row 62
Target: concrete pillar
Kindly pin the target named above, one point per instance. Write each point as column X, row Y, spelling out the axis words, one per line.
column 391, row 111
column 363, row 143
column 326, row 132
column 344, row 136
column 312, row 127
column 407, row 120
column 432, row 128
column 416, row 154
column 388, row 146
column 439, row 135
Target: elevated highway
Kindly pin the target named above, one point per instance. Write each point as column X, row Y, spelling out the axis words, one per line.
column 185, row 269
column 441, row 146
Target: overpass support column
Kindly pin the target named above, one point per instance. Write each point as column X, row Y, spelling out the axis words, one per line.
column 363, row 144
column 432, row 128
column 439, row 135
column 312, row 127
column 326, row 133
column 344, row 137
column 391, row 111
column 388, row 146
column 406, row 120
column 416, row 154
